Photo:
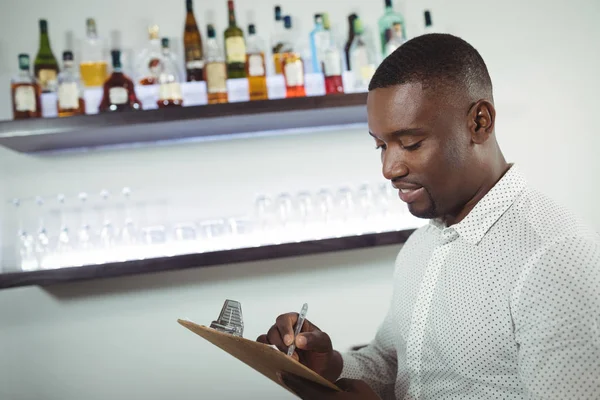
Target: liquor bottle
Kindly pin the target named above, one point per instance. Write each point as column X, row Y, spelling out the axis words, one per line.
column 70, row 95
column 428, row 22
column 215, row 70
column 45, row 66
column 319, row 41
column 119, row 90
column 149, row 62
column 386, row 24
column 93, row 67
column 276, row 40
column 292, row 64
column 255, row 66
column 362, row 58
column 351, row 19
column 395, row 39
column 192, row 43
column 235, row 47
column 25, row 92
column 332, row 61
column 169, row 92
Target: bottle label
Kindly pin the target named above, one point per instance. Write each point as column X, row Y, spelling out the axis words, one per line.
column 68, row 96
column 47, row 79
column 216, row 78
column 118, row 95
column 25, row 99
column 367, row 72
column 332, row 63
column 294, row 73
column 194, row 64
column 256, row 65
column 193, row 53
column 170, row 91
column 236, row 50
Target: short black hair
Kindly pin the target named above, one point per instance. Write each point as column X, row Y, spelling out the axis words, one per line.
column 436, row 61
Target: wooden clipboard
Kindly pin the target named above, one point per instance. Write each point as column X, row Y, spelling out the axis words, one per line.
column 261, row 357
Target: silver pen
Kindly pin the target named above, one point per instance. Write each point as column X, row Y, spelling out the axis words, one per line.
column 301, row 318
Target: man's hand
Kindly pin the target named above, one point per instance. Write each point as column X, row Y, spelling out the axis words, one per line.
column 307, row 390
column 313, row 347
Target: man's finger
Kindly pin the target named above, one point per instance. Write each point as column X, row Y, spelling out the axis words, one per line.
column 314, row 341
column 274, row 338
column 262, row 339
column 285, row 324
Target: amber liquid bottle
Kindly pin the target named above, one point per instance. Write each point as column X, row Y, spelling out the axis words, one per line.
column 292, row 64
column 192, row 43
column 215, row 71
column 69, row 100
column 119, row 91
column 255, row 66
column 25, row 92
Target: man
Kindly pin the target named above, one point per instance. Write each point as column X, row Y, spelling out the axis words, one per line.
column 498, row 297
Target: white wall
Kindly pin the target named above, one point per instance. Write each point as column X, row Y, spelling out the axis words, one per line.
column 118, row 337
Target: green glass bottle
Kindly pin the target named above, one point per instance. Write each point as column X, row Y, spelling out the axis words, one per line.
column 386, row 25
column 235, row 47
column 46, row 66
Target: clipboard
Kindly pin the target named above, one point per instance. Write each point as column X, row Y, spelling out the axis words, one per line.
column 259, row 356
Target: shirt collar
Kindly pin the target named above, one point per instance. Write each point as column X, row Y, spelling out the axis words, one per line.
column 489, row 209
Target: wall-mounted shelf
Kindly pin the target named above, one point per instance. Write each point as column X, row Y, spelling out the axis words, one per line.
column 48, row 134
column 63, row 275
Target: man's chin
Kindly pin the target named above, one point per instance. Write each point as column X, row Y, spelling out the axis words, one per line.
column 422, row 212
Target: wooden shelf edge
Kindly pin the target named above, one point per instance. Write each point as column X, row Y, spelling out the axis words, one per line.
column 200, row 260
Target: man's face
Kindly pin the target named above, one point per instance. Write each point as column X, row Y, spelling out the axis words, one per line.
column 425, row 147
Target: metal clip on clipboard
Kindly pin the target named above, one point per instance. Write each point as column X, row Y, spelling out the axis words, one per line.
column 230, row 320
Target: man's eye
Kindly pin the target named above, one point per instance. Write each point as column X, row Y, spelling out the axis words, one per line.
column 380, row 147
column 412, row 146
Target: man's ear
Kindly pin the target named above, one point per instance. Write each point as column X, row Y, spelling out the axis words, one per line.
column 481, row 121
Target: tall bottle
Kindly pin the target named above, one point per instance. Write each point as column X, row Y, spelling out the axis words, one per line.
column 215, row 70
column 276, row 40
column 93, row 67
column 45, row 66
column 292, row 63
column 386, row 25
column 255, row 66
column 319, row 41
column 351, row 19
column 395, row 39
column 362, row 58
column 169, row 92
column 235, row 47
column 332, row 61
column 149, row 62
column 192, row 43
column 70, row 94
column 119, row 90
column 25, row 92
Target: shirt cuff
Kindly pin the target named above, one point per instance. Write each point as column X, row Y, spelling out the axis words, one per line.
column 351, row 367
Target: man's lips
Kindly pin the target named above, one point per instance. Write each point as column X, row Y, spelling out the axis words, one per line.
column 408, row 192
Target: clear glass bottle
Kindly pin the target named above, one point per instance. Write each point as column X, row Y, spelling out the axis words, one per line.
column 386, row 25
column 362, row 58
column 332, row 61
column 255, row 66
column 351, row 19
column 395, row 40
column 215, row 70
column 169, row 81
column 235, row 46
column 45, row 66
column 25, row 92
column 292, row 63
column 319, row 41
column 119, row 90
column 70, row 94
column 276, row 40
column 93, row 67
column 192, row 43
column 149, row 61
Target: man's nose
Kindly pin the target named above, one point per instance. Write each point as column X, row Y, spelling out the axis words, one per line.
column 394, row 166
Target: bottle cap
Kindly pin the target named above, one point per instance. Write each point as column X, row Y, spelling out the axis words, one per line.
column 164, row 43
column 326, row 21
column 24, row 61
column 67, row 55
column 428, row 18
column 116, row 58
column 287, row 22
column 43, row 26
column 318, row 18
column 251, row 29
column 210, row 30
column 153, row 32
column 230, row 5
column 358, row 26
column 277, row 13
column 388, row 3
column 188, row 5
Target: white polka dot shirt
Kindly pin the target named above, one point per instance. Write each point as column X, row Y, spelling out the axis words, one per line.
column 503, row 305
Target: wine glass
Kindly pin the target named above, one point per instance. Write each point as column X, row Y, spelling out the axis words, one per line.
column 107, row 234
column 63, row 244
column 41, row 240
column 128, row 235
column 26, row 246
column 84, row 234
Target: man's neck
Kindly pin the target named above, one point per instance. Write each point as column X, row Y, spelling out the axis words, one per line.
column 496, row 173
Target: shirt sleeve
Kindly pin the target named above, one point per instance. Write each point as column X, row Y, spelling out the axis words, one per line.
column 557, row 322
column 376, row 364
